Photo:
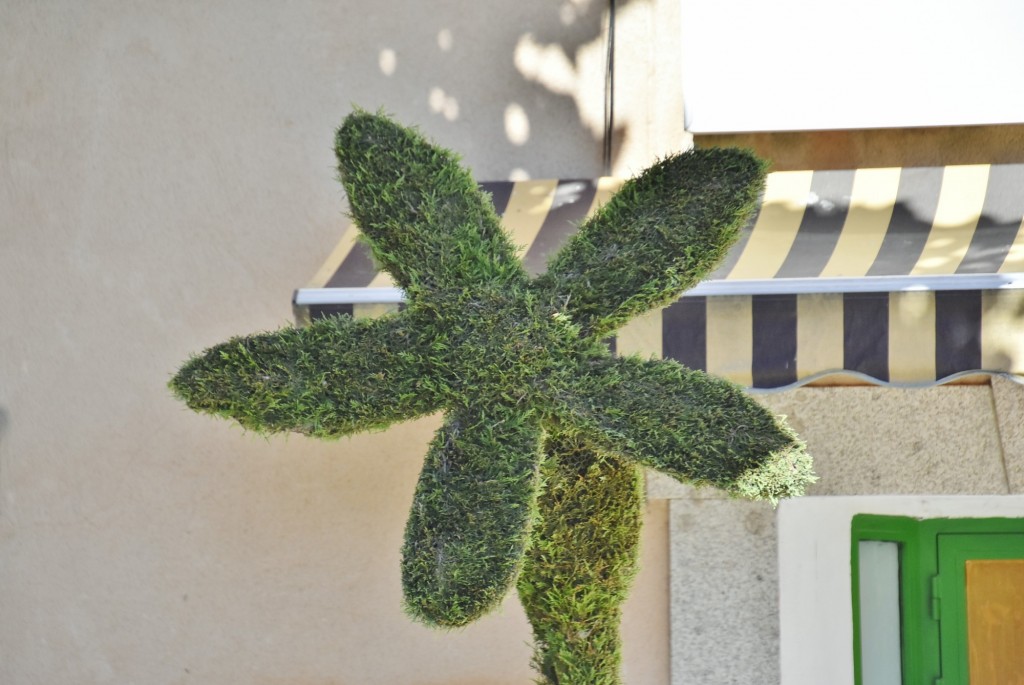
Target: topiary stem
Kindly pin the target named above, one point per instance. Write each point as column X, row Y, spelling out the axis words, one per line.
column 581, row 561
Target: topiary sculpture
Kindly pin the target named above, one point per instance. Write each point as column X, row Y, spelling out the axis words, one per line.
column 534, row 473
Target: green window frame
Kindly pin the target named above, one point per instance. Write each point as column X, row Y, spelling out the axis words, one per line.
column 933, row 619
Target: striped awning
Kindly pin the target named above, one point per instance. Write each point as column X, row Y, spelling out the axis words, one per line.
column 898, row 276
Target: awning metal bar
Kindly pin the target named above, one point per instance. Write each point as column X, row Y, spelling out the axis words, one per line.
column 768, row 286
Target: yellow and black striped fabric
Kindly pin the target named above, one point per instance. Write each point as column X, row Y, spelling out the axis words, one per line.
column 938, row 223
column 885, row 222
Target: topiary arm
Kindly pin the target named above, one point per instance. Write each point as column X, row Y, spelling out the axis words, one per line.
column 426, row 221
column 337, row 376
column 581, row 560
column 694, row 427
column 471, row 512
column 660, row 235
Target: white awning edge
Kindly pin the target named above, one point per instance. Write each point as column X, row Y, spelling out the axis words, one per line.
column 769, row 286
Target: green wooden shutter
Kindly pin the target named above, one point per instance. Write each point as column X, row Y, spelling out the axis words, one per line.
column 953, row 573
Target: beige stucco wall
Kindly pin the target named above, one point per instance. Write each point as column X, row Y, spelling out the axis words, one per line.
column 166, row 180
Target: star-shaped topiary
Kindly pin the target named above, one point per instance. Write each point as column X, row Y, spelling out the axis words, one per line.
column 510, row 359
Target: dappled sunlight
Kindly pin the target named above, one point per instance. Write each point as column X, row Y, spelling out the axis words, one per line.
column 535, row 89
column 578, row 77
column 572, row 10
column 870, row 209
column 786, row 196
column 788, row 191
column 860, row 240
column 388, row 61
column 445, row 40
column 546, row 64
column 538, row 90
column 443, row 104
column 527, row 209
column 961, row 201
column 943, row 264
column 570, row 193
column 517, row 124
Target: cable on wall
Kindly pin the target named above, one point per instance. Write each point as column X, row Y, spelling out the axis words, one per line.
column 609, row 90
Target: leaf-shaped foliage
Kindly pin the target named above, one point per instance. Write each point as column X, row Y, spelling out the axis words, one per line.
column 335, row 377
column 696, row 428
column 470, row 515
column 581, row 562
column 506, row 359
column 660, row 235
column 424, row 218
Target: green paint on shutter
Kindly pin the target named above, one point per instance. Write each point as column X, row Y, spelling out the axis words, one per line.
column 933, row 554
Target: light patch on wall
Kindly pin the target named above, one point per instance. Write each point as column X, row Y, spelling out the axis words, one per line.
column 443, row 104
column 444, row 40
column 388, row 61
column 578, row 77
column 572, row 10
column 518, row 174
column 545, row 64
column 517, row 124
column 451, row 109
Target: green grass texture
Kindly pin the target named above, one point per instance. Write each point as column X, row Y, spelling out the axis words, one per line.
column 533, row 476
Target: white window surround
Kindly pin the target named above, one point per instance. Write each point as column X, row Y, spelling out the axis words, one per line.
column 815, row 605
column 797, row 65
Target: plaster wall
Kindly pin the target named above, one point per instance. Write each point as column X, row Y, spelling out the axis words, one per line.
column 166, row 180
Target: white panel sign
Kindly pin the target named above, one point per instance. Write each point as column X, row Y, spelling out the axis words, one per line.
column 789, row 65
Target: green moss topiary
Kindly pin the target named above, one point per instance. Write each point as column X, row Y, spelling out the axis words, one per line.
column 581, row 561
column 510, row 360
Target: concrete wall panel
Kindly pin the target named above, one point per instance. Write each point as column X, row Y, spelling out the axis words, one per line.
column 869, row 440
column 1008, row 398
column 724, row 592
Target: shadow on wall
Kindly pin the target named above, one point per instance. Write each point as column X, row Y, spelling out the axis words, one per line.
column 528, row 82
